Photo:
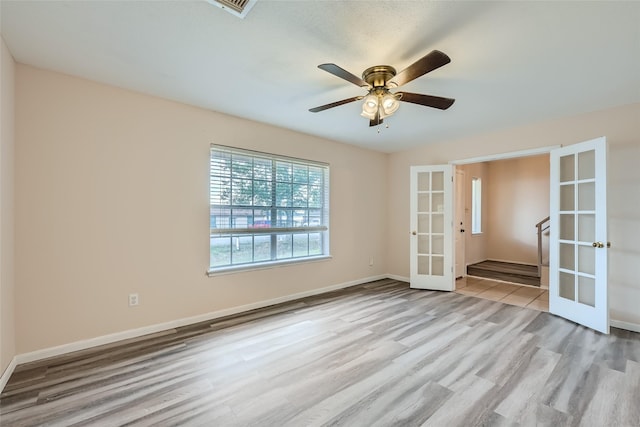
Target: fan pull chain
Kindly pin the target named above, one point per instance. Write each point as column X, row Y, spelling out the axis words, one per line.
column 386, row 127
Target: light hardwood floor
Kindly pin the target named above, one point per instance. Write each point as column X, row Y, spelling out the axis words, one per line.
column 379, row 354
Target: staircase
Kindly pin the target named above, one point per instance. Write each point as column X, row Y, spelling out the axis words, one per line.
column 525, row 274
column 506, row 271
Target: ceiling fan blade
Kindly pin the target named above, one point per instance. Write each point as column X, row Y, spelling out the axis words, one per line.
column 335, row 104
column 429, row 62
column 426, row 100
column 343, row 74
column 376, row 120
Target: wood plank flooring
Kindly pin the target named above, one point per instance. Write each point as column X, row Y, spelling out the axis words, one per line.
column 378, row 354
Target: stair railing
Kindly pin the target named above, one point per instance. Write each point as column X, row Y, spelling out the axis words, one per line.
column 541, row 226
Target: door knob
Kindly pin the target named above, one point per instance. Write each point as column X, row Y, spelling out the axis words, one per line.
column 598, row 245
column 462, row 230
column 413, row 232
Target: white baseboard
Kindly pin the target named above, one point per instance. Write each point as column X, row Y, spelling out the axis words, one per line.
column 138, row 332
column 4, row 379
column 633, row 327
column 399, row 278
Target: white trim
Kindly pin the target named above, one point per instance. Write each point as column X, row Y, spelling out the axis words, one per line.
column 633, row 327
column 266, row 265
column 398, row 278
column 504, row 156
column 138, row 332
column 4, row 379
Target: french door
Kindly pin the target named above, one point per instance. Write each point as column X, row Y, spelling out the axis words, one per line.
column 431, row 207
column 578, row 234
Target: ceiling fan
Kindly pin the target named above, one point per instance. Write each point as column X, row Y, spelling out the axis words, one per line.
column 380, row 102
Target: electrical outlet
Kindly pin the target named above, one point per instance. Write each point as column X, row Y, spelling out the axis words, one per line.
column 133, row 300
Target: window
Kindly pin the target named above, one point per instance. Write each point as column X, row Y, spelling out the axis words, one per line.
column 266, row 209
column 476, row 205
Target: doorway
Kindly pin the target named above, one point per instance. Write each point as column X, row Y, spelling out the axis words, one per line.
column 577, row 219
column 514, row 198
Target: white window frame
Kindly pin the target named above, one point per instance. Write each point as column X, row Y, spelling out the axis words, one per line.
column 476, row 205
column 265, row 210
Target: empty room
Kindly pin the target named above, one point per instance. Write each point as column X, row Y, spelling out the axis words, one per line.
column 281, row 213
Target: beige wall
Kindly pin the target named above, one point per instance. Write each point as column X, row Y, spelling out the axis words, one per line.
column 112, row 198
column 518, row 197
column 621, row 125
column 7, row 329
column 111, row 194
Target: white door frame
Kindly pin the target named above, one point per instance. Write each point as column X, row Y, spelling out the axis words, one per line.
column 505, row 156
column 459, row 226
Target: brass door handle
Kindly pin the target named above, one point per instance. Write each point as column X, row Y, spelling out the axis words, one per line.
column 598, row 245
column 414, row 233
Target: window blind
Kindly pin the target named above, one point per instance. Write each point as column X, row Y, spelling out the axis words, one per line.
column 266, row 208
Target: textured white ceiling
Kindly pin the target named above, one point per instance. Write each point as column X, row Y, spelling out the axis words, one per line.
column 512, row 62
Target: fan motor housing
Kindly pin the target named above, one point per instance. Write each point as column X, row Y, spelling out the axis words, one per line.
column 378, row 75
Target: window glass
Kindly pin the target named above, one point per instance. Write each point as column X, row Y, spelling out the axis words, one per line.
column 266, row 208
column 476, row 205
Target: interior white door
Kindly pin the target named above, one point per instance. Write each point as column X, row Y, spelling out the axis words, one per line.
column 431, row 206
column 459, row 224
column 578, row 234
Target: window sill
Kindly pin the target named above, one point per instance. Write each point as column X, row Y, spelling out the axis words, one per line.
column 265, row 265
column 477, row 234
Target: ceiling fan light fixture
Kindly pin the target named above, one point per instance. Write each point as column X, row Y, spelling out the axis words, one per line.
column 370, row 106
column 390, row 104
column 379, row 80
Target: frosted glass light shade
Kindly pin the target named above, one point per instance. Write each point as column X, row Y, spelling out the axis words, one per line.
column 370, row 106
column 390, row 105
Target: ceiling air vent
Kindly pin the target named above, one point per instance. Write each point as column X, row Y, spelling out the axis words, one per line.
column 239, row 8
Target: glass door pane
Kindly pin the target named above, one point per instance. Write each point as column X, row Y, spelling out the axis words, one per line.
column 578, row 258
column 576, row 252
column 430, row 233
column 431, row 238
